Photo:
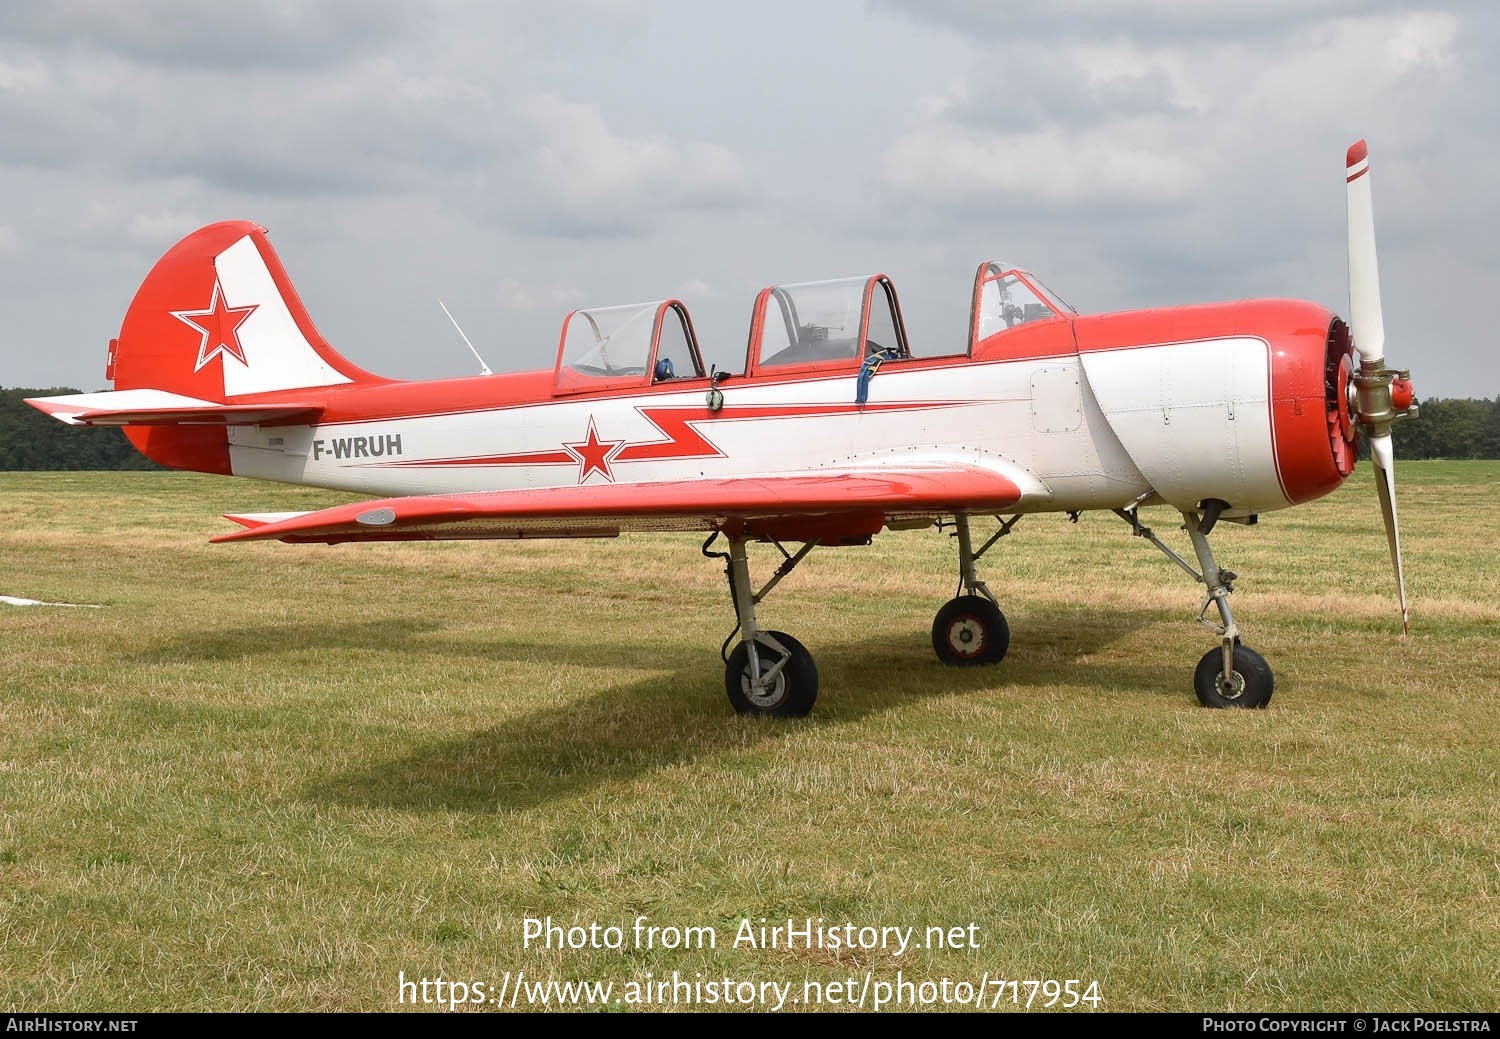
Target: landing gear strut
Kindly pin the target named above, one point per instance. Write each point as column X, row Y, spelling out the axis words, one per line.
column 1232, row 675
column 970, row 629
column 769, row 672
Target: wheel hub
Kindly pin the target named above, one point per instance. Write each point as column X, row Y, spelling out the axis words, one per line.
column 966, row 636
column 764, row 694
column 1231, row 687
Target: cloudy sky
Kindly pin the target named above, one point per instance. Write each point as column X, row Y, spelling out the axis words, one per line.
column 520, row 159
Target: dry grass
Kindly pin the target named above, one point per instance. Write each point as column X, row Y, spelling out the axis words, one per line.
column 273, row 777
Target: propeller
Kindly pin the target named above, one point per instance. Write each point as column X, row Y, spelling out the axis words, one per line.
column 1379, row 395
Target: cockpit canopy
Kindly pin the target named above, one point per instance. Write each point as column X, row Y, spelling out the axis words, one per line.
column 631, row 345
column 1006, row 296
column 820, row 324
column 814, row 326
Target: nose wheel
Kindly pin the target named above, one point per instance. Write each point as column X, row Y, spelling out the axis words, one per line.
column 1232, row 675
column 1247, row 682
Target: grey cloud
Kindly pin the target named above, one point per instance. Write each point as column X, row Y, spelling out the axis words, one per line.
column 1030, row 90
column 376, row 130
column 192, row 34
column 1153, row 22
column 374, row 127
column 463, row 126
column 577, row 178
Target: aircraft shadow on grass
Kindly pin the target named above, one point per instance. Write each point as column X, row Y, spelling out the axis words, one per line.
column 633, row 728
column 275, row 639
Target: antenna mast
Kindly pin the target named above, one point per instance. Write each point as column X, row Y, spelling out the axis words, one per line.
column 484, row 369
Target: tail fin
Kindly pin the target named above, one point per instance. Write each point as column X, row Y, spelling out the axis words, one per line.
column 217, row 318
column 217, row 321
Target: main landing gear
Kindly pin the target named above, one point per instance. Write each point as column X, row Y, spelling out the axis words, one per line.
column 1232, row 675
column 970, row 630
column 769, row 672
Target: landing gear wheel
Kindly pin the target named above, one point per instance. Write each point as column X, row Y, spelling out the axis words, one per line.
column 969, row 631
column 1249, row 685
column 791, row 694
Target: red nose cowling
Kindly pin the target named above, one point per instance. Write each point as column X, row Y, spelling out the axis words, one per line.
column 1311, row 364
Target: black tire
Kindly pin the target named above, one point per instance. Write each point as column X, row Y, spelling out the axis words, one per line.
column 1251, row 684
column 970, row 631
column 791, row 695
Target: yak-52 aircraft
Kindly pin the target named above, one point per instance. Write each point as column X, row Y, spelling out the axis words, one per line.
column 833, row 432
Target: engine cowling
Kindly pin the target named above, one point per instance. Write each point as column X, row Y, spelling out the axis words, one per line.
column 1241, row 402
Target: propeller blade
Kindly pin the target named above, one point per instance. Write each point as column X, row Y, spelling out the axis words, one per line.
column 1385, row 484
column 1364, row 273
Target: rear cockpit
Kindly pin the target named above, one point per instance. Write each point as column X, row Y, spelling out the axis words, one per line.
column 628, row 346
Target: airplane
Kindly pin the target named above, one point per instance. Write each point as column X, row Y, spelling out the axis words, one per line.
column 833, row 432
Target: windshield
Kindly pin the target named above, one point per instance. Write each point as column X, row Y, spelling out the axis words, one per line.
column 1009, row 297
column 1059, row 304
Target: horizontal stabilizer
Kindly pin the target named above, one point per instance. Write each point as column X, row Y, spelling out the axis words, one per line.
column 841, row 500
column 159, row 408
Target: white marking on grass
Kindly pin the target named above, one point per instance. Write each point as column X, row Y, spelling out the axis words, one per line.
column 12, row 600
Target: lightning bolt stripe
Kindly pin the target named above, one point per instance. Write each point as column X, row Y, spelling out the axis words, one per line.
column 679, row 427
column 520, row 458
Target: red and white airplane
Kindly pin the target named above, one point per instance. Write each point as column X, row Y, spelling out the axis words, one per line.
column 833, row 432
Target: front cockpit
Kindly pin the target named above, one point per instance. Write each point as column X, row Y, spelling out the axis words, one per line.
column 1006, row 296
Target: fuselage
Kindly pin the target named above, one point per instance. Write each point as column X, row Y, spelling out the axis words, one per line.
column 1243, row 404
column 1099, row 411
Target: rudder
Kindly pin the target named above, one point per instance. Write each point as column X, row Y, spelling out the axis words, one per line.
column 217, row 319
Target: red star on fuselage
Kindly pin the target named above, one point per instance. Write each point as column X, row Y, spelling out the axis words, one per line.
column 219, row 326
column 594, row 454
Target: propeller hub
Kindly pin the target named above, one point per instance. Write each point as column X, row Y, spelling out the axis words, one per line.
column 1379, row 396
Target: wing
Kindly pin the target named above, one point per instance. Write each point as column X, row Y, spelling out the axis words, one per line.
column 828, row 507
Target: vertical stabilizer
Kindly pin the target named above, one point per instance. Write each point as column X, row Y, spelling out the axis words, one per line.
column 217, row 319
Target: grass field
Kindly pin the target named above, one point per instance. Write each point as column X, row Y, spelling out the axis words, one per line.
column 272, row 777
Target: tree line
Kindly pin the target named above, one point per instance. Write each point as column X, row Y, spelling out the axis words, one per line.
column 30, row 440
column 1450, row 429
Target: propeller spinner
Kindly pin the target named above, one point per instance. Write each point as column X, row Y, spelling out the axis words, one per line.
column 1377, row 395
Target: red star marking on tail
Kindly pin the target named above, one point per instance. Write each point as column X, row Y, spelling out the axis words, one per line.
column 219, row 326
column 594, row 455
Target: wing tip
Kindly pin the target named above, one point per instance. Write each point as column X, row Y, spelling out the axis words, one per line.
column 54, row 407
column 253, row 523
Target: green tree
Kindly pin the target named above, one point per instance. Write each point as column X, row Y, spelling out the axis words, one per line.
column 31, row 440
column 1450, row 429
